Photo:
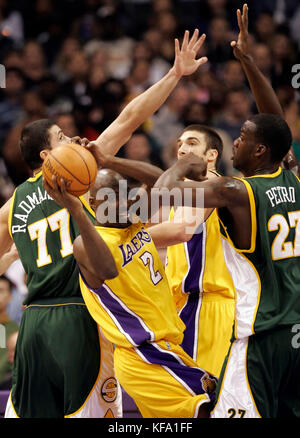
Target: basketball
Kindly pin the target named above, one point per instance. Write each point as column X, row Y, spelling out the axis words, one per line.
column 75, row 164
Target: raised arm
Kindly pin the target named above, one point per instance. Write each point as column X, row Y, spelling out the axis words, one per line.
column 90, row 251
column 263, row 93
column 147, row 103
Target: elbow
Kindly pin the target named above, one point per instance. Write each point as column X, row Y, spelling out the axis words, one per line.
column 111, row 273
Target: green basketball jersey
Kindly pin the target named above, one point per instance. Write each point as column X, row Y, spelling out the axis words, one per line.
column 267, row 275
column 44, row 233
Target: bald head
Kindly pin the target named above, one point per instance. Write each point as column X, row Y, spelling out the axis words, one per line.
column 106, row 178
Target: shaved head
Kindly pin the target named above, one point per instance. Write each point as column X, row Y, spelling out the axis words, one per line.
column 106, row 178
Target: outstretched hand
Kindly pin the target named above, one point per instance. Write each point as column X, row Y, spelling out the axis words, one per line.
column 241, row 46
column 60, row 195
column 185, row 57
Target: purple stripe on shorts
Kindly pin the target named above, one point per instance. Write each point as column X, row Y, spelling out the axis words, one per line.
column 193, row 377
column 195, row 254
column 190, row 317
column 127, row 321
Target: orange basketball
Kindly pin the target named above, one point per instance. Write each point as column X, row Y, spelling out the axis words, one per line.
column 75, row 164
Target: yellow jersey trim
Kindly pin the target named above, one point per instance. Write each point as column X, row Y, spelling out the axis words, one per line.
column 268, row 175
column 54, row 305
column 9, row 221
column 35, row 177
column 86, row 205
column 253, row 218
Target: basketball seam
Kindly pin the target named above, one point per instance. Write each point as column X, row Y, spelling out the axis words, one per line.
column 75, row 177
column 87, row 168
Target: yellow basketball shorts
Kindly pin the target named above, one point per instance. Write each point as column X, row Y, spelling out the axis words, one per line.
column 209, row 324
column 163, row 380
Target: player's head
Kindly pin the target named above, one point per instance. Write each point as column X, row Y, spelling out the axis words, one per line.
column 202, row 141
column 264, row 141
column 109, row 199
column 37, row 138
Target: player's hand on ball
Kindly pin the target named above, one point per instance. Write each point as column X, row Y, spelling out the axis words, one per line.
column 101, row 159
column 60, row 195
column 79, row 140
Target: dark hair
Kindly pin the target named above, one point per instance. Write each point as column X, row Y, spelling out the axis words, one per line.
column 213, row 140
column 273, row 132
column 35, row 138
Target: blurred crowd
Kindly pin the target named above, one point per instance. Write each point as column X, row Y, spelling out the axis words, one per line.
column 81, row 61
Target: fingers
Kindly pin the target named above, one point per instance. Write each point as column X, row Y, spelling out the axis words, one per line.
column 80, row 141
column 193, row 39
column 177, row 48
column 245, row 16
column 199, row 43
column 185, row 40
column 202, row 60
column 242, row 18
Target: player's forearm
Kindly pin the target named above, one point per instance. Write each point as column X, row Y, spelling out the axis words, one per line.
column 100, row 259
column 144, row 105
column 140, row 170
column 169, row 233
column 263, row 93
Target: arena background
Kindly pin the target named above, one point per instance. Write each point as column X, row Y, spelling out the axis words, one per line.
column 81, row 61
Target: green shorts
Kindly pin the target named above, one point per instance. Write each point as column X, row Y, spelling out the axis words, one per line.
column 57, row 362
column 261, row 377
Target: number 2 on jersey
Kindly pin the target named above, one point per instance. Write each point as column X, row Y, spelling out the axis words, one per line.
column 38, row 231
column 147, row 259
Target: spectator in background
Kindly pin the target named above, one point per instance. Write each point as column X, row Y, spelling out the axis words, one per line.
column 60, row 66
column 261, row 53
column 138, row 79
column 34, row 108
column 167, row 123
column 236, row 110
column 288, row 100
column 219, row 37
column 141, row 147
column 11, row 102
column 264, row 28
column 283, row 58
column 233, row 75
column 34, row 63
column 7, row 326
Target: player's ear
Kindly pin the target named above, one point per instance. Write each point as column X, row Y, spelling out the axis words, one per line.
column 44, row 153
column 211, row 155
column 260, row 150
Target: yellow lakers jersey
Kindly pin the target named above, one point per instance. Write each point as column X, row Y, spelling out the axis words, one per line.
column 137, row 306
column 198, row 266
